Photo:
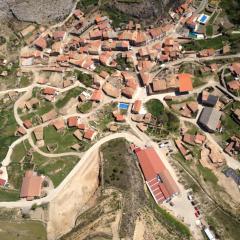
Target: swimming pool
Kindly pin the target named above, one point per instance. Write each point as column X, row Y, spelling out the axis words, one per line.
column 203, row 18
column 123, row 106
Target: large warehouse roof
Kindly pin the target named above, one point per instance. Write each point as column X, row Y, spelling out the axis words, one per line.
column 159, row 181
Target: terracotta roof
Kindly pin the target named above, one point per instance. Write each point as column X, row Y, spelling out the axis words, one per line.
column 49, row 91
column 137, row 106
column 96, row 95
column 72, row 121
column 104, row 74
column 21, row 130
column 234, row 85
column 181, row 148
column 27, row 124
column 185, row 82
column 119, row 117
column 89, row 134
column 41, row 43
column 128, row 92
column 199, row 138
column 31, row 185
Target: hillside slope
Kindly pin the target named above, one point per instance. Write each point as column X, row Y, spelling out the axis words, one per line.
column 39, row 11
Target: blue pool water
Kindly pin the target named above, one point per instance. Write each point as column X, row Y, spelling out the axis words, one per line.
column 203, row 19
column 123, row 106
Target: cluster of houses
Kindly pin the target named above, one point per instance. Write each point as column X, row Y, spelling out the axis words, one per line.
column 189, row 139
column 194, row 22
column 234, row 84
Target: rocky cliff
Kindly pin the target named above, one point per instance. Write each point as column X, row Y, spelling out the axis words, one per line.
column 148, row 10
column 45, row 11
column 39, row 11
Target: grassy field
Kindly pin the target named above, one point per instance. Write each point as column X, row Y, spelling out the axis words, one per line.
column 7, row 195
column 8, row 127
column 62, row 140
column 22, row 230
column 56, row 168
column 215, row 43
column 73, row 93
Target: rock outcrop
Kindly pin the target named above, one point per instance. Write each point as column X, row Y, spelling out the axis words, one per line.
column 39, row 11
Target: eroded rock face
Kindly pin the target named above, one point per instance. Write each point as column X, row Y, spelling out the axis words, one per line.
column 147, row 10
column 39, row 11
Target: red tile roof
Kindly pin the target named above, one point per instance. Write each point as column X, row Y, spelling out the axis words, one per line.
column 27, row 124
column 185, row 82
column 49, row 91
column 72, row 121
column 158, row 179
column 137, row 106
column 31, row 185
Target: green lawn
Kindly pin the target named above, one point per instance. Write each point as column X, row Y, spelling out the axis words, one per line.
column 22, row 230
column 209, row 30
column 20, row 162
column 155, row 107
column 207, row 174
column 63, row 140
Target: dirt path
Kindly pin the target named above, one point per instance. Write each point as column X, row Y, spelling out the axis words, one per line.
column 65, row 208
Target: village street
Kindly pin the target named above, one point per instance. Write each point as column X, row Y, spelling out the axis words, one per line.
column 183, row 209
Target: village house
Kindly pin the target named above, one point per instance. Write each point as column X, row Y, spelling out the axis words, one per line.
column 110, row 90
column 38, row 133
column 21, row 131
column 49, row 116
column 89, row 134
column 78, row 134
column 210, row 119
column 235, row 69
column 59, row 124
column 31, row 186
column 209, row 99
column 236, row 115
column 40, row 43
column 27, row 123
column 136, row 108
column 234, row 85
column 96, row 96
column 72, row 121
